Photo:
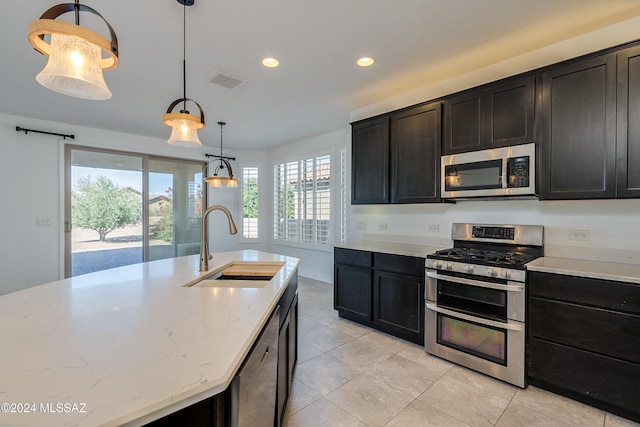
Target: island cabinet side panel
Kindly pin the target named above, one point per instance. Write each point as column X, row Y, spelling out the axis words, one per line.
column 287, row 347
column 583, row 340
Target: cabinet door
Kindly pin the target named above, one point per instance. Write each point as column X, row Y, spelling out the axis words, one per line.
column 415, row 154
column 578, row 135
column 352, row 291
column 628, row 161
column 398, row 304
column 370, row 161
column 509, row 110
column 463, row 123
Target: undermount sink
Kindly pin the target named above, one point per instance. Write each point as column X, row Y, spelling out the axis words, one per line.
column 240, row 274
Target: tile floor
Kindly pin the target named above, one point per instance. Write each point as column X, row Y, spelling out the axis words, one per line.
column 351, row 375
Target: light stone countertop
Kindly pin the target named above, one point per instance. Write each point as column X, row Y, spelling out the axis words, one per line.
column 605, row 270
column 126, row 345
column 419, row 251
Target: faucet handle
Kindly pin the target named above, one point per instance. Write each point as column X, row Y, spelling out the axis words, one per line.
column 210, row 257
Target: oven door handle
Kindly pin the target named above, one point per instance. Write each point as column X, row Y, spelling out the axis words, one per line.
column 510, row 325
column 471, row 282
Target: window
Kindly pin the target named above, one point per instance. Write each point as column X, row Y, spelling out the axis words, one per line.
column 302, row 201
column 250, row 203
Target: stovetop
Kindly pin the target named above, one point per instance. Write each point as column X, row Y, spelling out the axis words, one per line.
column 498, row 258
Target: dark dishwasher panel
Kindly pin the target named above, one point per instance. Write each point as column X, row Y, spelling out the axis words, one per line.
column 253, row 390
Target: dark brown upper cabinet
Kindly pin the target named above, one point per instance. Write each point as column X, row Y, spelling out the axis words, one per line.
column 628, row 123
column 395, row 158
column 415, row 154
column 370, row 161
column 497, row 115
column 578, row 130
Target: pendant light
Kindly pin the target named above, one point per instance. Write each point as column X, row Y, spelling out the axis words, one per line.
column 216, row 180
column 75, row 60
column 184, row 126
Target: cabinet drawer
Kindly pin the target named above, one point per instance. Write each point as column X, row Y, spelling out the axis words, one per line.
column 593, row 329
column 352, row 257
column 613, row 295
column 399, row 263
column 597, row 379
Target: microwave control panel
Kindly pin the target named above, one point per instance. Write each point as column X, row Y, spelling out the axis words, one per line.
column 518, row 172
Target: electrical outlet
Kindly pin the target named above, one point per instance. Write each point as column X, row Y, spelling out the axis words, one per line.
column 382, row 226
column 583, row 235
column 433, row 228
column 43, row 222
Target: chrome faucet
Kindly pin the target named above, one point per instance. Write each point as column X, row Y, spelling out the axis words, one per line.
column 204, row 247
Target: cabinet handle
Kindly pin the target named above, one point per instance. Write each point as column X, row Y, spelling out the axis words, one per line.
column 264, row 358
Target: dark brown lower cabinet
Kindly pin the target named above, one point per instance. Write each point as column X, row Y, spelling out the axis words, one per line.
column 383, row 291
column 584, row 340
column 398, row 305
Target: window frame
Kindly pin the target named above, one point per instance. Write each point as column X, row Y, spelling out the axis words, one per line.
column 299, row 243
column 260, row 225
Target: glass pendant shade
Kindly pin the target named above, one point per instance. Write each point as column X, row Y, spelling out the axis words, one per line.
column 214, row 181
column 232, row 182
column 74, row 68
column 184, row 129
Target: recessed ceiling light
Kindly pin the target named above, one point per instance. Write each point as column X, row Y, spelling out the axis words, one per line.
column 366, row 61
column 270, row 62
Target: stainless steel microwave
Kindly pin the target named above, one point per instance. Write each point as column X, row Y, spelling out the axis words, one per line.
column 497, row 172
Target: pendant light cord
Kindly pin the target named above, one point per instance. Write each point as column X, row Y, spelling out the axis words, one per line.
column 221, row 124
column 77, row 11
column 184, row 56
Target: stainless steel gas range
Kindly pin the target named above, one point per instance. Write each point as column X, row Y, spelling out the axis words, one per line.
column 475, row 298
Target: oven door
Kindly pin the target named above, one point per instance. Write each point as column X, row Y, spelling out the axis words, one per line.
column 491, row 347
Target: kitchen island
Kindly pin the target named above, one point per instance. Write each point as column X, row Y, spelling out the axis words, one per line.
column 129, row 345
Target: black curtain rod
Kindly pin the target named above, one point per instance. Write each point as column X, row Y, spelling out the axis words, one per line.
column 19, row 129
column 220, row 157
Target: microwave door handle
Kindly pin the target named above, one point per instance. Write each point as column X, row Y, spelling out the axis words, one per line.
column 505, row 172
column 500, row 325
column 471, row 282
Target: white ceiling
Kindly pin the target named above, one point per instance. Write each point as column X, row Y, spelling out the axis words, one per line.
column 415, row 43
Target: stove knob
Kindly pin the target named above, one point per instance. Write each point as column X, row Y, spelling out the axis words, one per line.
column 438, row 265
column 505, row 274
column 448, row 266
column 468, row 269
column 491, row 272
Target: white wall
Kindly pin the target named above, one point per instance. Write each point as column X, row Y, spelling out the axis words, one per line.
column 316, row 262
column 613, row 225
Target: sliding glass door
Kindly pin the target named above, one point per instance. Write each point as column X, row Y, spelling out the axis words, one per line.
column 175, row 208
column 124, row 208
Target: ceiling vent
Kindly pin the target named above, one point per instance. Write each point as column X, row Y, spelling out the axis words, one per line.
column 224, row 79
